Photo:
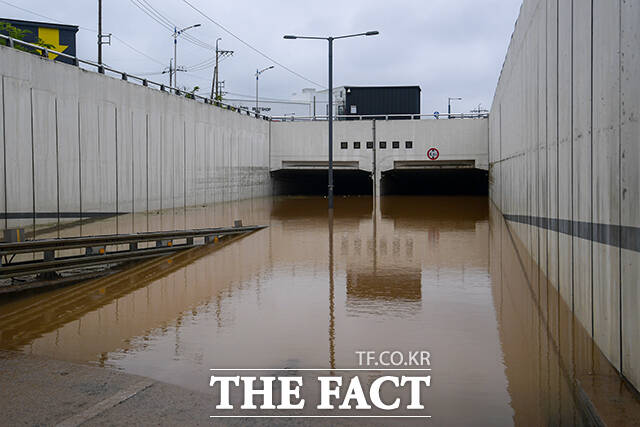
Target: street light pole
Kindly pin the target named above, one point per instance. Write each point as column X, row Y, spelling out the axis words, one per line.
column 330, row 102
column 258, row 72
column 330, row 177
column 176, row 33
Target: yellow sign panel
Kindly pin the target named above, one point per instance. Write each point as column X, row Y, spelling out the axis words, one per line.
column 51, row 36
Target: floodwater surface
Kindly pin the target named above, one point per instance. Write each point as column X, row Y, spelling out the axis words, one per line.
column 436, row 274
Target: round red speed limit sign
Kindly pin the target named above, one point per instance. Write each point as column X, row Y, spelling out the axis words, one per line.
column 433, row 153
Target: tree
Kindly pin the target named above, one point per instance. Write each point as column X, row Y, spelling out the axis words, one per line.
column 17, row 33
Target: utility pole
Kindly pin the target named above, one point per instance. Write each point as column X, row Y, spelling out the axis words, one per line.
column 171, row 72
column 101, row 38
column 215, row 84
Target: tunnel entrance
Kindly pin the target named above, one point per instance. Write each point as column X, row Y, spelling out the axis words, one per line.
column 314, row 182
column 435, row 182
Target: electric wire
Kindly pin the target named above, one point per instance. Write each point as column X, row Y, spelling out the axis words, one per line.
column 165, row 22
column 250, row 46
column 85, row 29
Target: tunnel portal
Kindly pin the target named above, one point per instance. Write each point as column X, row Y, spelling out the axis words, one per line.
column 434, row 182
column 454, row 181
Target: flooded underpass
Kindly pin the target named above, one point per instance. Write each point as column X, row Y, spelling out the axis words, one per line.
column 405, row 273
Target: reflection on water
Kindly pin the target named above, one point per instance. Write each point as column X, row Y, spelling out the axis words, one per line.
column 408, row 273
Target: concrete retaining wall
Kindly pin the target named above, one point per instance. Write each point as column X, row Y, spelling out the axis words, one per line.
column 564, row 154
column 81, row 144
column 459, row 139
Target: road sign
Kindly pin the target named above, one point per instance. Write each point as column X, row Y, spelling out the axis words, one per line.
column 433, row 153
column 436, row 114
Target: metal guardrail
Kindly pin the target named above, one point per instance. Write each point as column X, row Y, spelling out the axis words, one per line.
column 353, row 117
column 96, row 249
column 101, row 68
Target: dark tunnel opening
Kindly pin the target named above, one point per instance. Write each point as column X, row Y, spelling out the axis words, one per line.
column 314, row 182
column 435, row 182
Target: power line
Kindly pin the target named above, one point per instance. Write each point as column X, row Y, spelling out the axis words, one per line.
column 86, row 29
column 161, row 19
column 251, row 47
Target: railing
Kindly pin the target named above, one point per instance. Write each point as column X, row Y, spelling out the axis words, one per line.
column 106, row 249
column 101, row 68
column 344, row 117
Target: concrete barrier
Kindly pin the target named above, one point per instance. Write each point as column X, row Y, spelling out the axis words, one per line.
column 563, row 154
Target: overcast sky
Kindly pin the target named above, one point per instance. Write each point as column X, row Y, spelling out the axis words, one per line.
column 448, row 47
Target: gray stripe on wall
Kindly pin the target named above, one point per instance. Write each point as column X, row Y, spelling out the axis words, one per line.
column 621, row 236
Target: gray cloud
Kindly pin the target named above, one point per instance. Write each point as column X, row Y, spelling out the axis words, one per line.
column 448, row 47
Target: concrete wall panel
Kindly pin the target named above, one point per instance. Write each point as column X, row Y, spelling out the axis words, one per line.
column 140, row 164
column 89, row 157
column 606, row 176
column 190, row 153
column 565, row 166
column 166, row 169
column 581, row 157
column 68, row 167
column 45, row 144
column 18, row 152
column 179, row 163
column 630, row 183
column 154, row 131
column 552, row 139
column 124, row 164
column 107, row 172
column 200, row 164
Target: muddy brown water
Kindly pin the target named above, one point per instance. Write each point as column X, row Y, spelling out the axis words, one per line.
column 440, row 274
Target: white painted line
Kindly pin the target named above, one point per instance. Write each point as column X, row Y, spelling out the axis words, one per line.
column 107, row 403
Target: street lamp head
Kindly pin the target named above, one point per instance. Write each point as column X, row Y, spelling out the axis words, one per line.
column 290, row 37
column 270, row 67
column 371, row 33
column 197, row 25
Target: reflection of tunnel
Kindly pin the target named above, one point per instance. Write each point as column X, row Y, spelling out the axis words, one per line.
column 435, row 182
column 314, row 182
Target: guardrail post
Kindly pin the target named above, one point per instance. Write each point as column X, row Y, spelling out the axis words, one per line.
column 44, row 52
column 164, row 243
column 162, row 88
column 96, row 250
column 145, row 83
column 124, row 77
column 11, row 42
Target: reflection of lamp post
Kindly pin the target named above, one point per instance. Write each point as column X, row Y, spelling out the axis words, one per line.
column 449, row 110
column 176, row 33
column 258, row 72
column 332, row 299
column 330, row 40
